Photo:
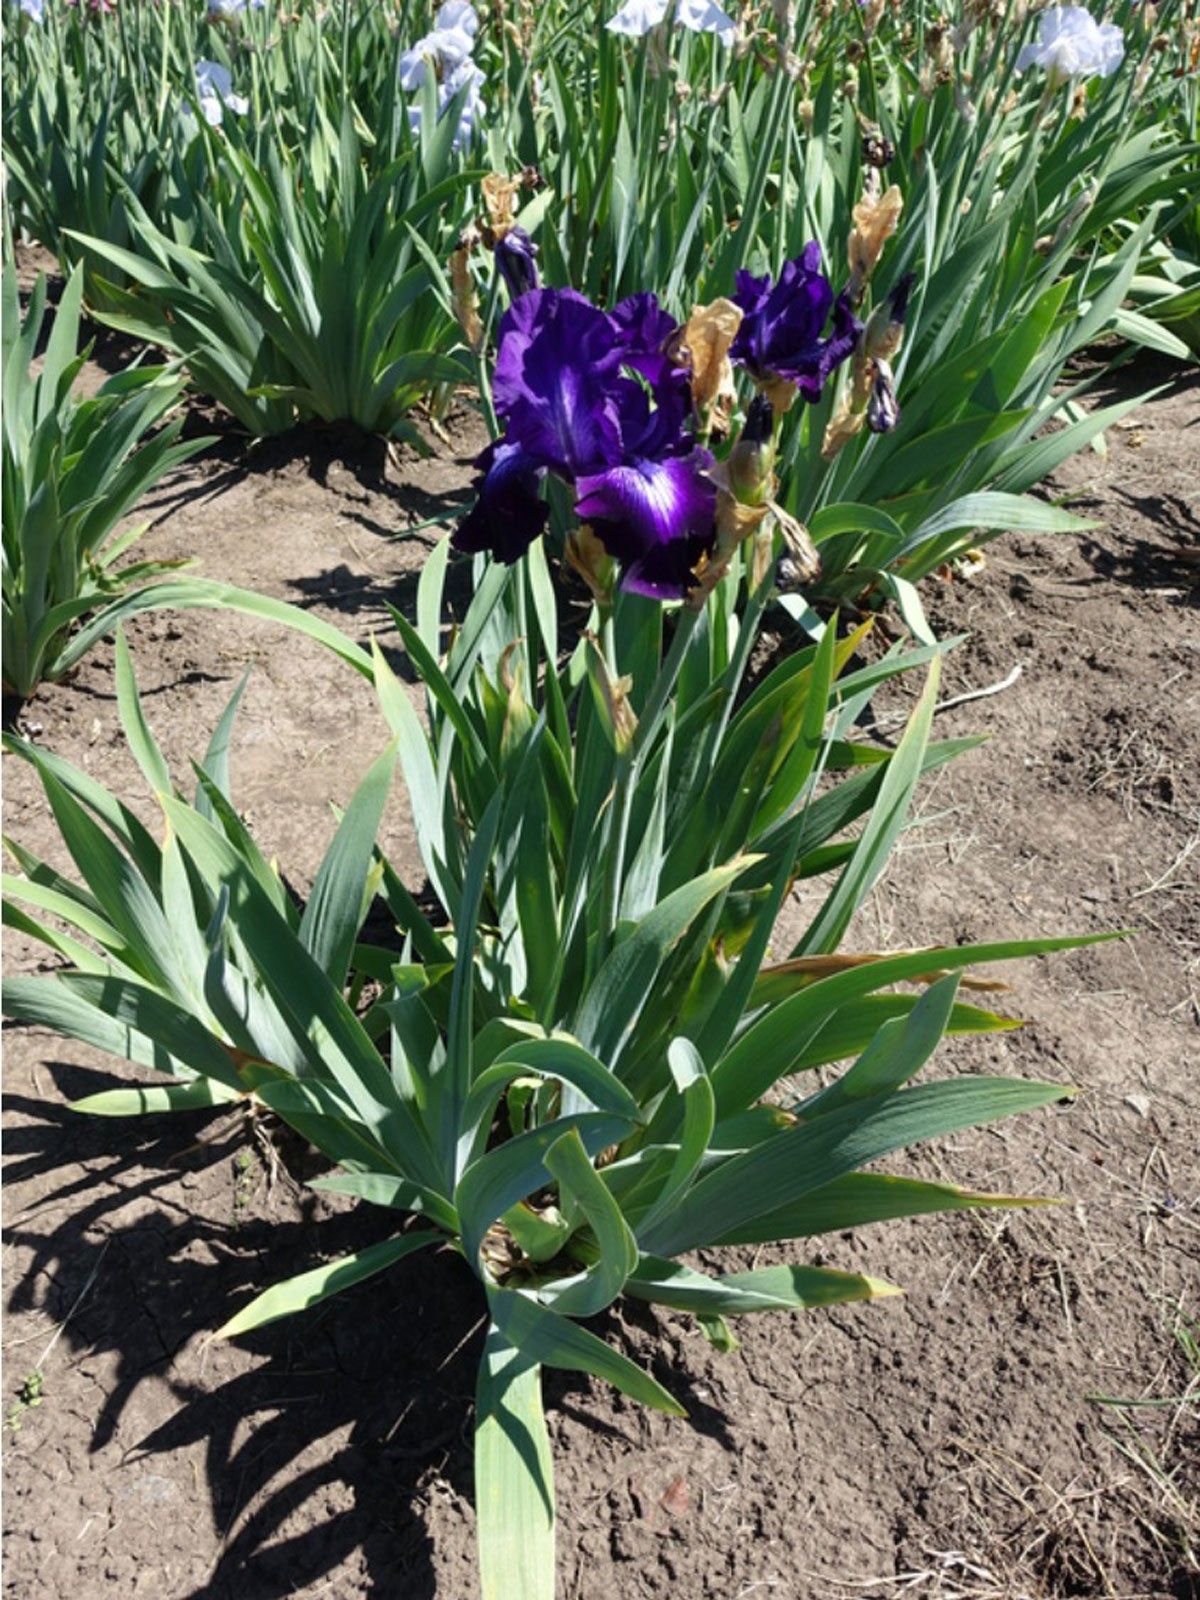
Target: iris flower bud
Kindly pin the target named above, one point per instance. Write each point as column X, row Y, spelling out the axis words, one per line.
column 516, row 261
column 883, row 409
column 753, row 456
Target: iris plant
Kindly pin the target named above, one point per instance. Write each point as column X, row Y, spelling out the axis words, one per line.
column 604, row 402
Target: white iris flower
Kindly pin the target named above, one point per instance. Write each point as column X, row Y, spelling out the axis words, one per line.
column 637, row 17
column 1072, row 44
column 447, row 52
column 214, row 90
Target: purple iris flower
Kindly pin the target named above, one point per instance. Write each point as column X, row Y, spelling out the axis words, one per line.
column 781, row 335
column 516, row 258
column 597, row 400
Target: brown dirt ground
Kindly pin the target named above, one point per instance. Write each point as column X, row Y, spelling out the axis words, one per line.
column 943, row 1444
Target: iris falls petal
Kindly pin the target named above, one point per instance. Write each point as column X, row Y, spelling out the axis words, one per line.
column 508, row 513
column 655, row 517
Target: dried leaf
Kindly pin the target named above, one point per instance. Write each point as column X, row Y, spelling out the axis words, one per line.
column 826, row 966
column 587, row 556
column 675, row 1499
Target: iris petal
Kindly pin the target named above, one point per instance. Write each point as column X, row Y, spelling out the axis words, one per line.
column 558, row 355
column 705, row 16
column 508, row 513
column 781, row 333
column 642, row 326
column 637, row 17
column 655, row 517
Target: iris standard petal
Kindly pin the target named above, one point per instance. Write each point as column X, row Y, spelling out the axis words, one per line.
column 749, row 291
column 641, row 325
column 637, row 17
column 458, row 14
column 646, row 334
column 213, row 78
column 705, row 16
column 557, row 360
column 653, row 415
column 508, row 513
column 1071, row 44
column 1111, row 50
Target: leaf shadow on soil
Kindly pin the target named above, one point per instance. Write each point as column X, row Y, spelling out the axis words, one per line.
column 366, row 472
column 353, row 1417
column 358, row 1393
column 364, row 599
column 1169, row 564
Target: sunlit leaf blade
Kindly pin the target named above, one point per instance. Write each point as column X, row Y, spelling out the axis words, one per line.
column 335, row 908
column 801, row 1159
column 865, row 1197
column 670, row 1283
column 763, row 1053
column 202, row 1095
column 581, row 1188
column 555, row 1342
column 310, row 1288
column 514, row 1476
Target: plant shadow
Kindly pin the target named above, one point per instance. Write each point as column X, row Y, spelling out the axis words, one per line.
column 388, row 489
column 1169, row 564
column 353, row 1416
column 361, row 1402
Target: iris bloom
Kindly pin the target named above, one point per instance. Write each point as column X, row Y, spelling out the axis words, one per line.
column 447, row 47
column 637, row 17
column 596, row 400
column 233, row 8
column 781, row 334
column 33, row 9
column 214, row 91
column 447, row 53
column 1072, row 44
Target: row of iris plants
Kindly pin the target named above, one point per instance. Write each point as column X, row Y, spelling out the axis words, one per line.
column 293, row 209
column 766, row 313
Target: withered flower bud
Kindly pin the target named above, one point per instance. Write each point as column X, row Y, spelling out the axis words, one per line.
column 877, row 149
column 462, row 289
column 614, row 693
column 876, row 217
column 499, row 196
column 588, row 557
column 706, row 338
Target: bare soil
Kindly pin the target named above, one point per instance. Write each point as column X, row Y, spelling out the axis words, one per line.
column 949, row 1443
